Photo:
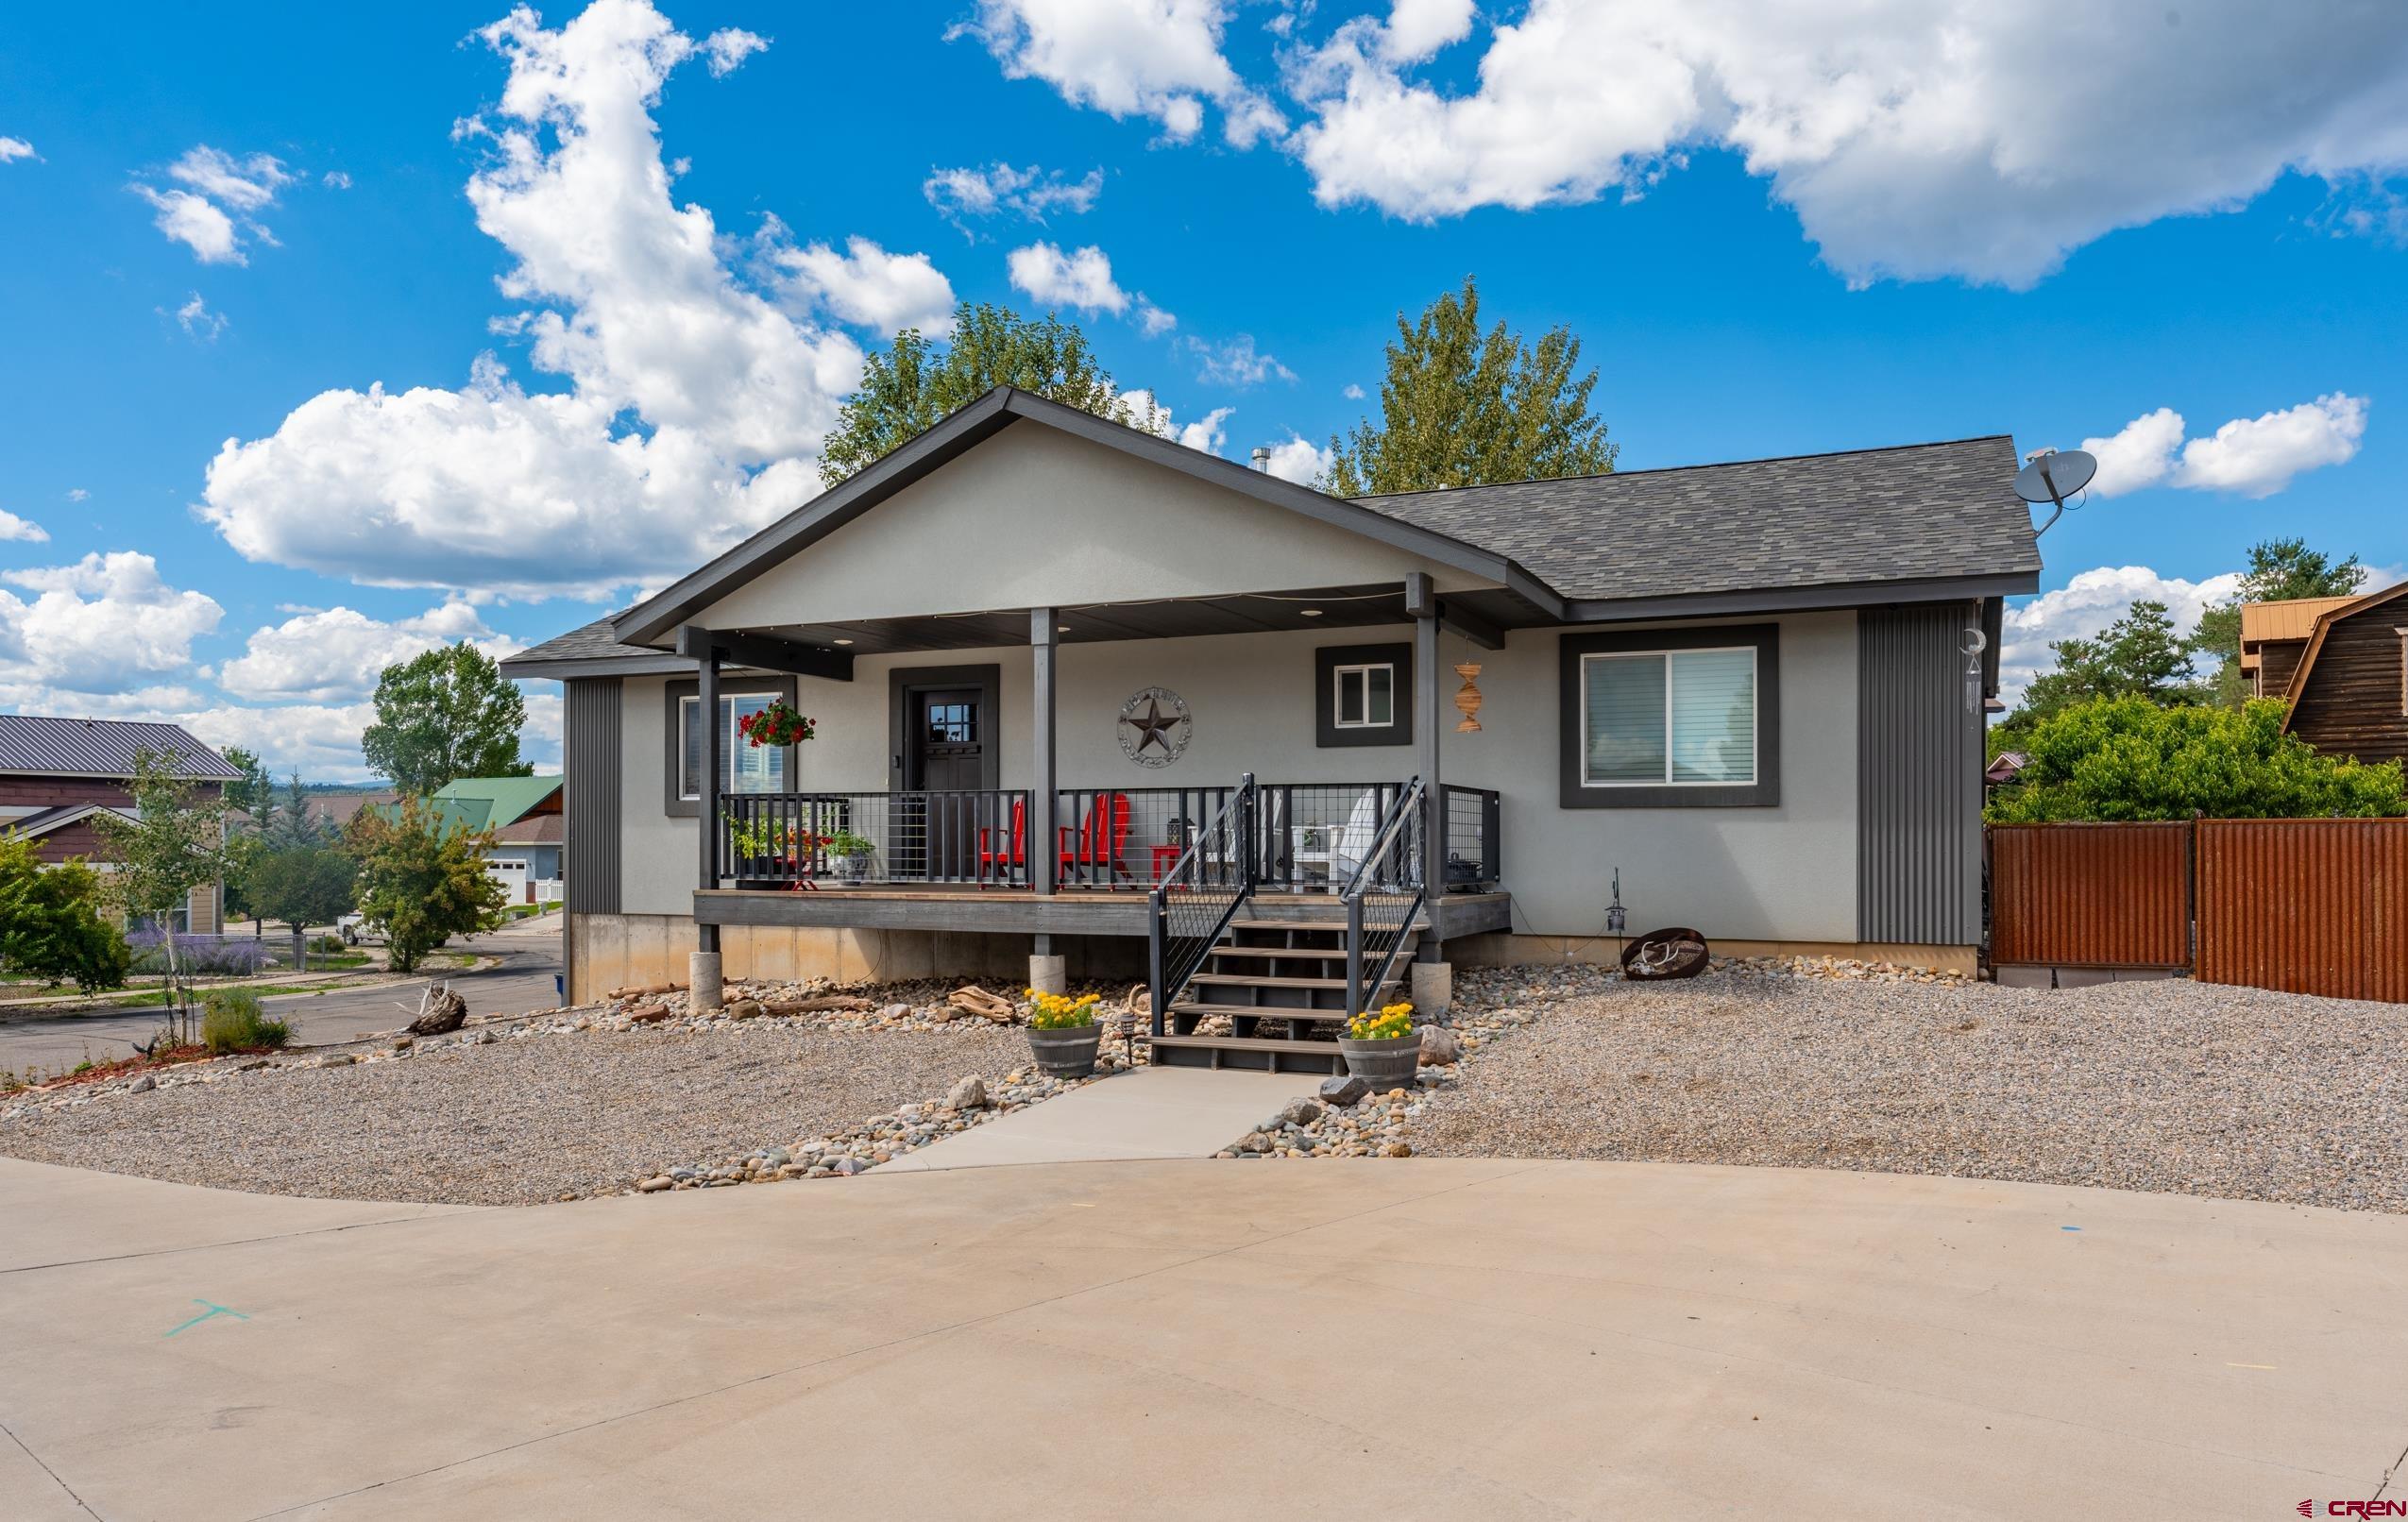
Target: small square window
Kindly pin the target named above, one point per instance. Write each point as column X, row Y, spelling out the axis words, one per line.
column 1365, row 696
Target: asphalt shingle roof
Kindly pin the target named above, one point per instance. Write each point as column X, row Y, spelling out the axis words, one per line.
column 588, row 642
column 1905, row 514
column 102, row 747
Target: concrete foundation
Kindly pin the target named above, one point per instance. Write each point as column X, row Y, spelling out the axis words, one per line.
column 613, row 950
column 703, row 976
column 1433, row 989
column 1049, row 974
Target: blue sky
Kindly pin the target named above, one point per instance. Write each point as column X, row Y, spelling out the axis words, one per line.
column 1774, row 235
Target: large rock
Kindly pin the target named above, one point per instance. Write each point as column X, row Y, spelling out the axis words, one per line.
column 1439, row 1047
column 1300, row 1111
column 1344, row 1089
column 747, row 1009
column 970, row 1094
column 441, row 1012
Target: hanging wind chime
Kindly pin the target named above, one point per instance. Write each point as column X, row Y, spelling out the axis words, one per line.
column 1467, row 698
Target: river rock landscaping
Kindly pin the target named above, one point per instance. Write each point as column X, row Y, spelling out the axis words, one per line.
column 642, row 1094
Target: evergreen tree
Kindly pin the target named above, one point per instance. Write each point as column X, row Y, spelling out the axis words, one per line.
column 1461, row 407
column 2280, row 571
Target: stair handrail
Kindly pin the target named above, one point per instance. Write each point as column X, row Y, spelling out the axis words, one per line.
column 1172, row 957
column 1397, row 844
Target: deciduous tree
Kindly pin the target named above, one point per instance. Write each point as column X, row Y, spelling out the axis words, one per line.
column 50, row 923
column 1461, row 407
column 422, row 881
column 174, row 845
column 444, row 715
column 917, row 381
column 2128, row 758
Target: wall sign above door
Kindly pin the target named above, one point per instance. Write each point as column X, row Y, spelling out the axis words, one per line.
column 1154, row 726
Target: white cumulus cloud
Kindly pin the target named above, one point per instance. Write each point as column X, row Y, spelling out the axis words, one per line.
column 624, row 292
column 2087, row 604
column 866, row 285
column 109, row 624
column 1155, row 59
column 2247, row 456
column 1082, row 278
column 13, row 528
column 728, row 47
column 335, row 655
column 1206, row 433
column 12, row 149
column 211, row 208
column 1299, row 459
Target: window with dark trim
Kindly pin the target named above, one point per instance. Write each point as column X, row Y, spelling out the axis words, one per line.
column 1671, row 718
column 743, row 768
column 1362, row 695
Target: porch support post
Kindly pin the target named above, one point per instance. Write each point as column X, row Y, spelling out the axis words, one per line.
column 1422, row 602
column 703, row 973
column 1045, row 646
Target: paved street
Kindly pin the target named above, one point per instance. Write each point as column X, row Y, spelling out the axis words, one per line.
column 529, row 957
column 1169, row 1340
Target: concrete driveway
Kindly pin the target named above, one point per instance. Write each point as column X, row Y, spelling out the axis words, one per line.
column 1426, row 1339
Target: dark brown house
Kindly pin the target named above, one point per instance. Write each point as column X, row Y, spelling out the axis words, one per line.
column 57, row 773
column 2349, row 690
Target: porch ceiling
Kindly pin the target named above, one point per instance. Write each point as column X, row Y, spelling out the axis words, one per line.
column 1338, row 607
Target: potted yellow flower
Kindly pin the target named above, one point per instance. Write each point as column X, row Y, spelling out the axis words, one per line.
column 1063, row 1033
column 1382, row 1047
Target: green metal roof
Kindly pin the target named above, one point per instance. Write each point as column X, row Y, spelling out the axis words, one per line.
column 480, row 802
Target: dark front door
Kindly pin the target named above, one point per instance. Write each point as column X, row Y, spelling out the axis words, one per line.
column 945, row 756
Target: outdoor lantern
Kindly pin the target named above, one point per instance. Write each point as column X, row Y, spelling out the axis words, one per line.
column 1467, row 697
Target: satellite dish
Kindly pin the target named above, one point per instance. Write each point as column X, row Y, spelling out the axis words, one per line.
column 2053, row 476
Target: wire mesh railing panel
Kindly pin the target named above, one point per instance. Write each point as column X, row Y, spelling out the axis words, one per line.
column 929, row 836
column 1314, row 836
column 1197, row 896
column 1384, row 897
column 1474, row 820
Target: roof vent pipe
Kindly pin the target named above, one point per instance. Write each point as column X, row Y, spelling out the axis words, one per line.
column 1262, row 457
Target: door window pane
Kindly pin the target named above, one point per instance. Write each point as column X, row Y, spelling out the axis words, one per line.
column 1622, row 717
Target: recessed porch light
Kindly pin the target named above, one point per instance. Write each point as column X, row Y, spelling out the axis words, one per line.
column 1310, row 613
column 844, row 642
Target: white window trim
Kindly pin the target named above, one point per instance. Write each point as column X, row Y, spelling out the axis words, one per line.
column 1756, row 730
column 1338, row 675
column 692, row 702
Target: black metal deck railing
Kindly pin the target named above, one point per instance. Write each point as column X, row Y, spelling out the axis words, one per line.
column 923, row 836
column 1386, row 896
column 1197, row 896
column 1474, row 825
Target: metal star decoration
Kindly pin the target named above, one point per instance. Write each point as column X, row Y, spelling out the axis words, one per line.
column 1155, row 727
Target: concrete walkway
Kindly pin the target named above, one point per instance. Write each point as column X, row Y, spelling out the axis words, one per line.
column 1172, row 1340
column 1153, row 1112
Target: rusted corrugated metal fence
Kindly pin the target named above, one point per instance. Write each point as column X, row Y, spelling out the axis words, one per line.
column 2091, row 895
column 2304, row 905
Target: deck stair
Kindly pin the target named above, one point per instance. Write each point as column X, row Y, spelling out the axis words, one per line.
column 1282, row 985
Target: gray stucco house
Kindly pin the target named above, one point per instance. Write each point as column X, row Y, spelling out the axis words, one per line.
column 1043, row 651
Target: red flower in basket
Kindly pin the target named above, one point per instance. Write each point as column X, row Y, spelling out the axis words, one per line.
column 777, row 724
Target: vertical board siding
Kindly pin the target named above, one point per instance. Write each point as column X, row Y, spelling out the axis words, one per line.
column 1918, row 779
column 589, row 799
column 2089, row 895
column 2305, row 906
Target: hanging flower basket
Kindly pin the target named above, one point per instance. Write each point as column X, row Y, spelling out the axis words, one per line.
column 777, row 724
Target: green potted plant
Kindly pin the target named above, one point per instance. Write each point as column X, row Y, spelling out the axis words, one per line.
column 1383, row 1048
column 1064, row 1034
column 852, row 853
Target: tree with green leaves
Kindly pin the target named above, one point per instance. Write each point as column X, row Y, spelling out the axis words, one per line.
column 253, row 792
column 173, row 847
column 423, row 882
column 443, row 715
column 2139, row 655
column 290, row 823
column 1461, row 407
column 310, row 884
column 2280, row 571
column 50, row 922
column 918, row 381
column 2129, row 758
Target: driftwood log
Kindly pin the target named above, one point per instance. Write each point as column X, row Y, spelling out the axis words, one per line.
column 970, row 999
column 824, row 1005
column 645, row 990
column 440, row 1012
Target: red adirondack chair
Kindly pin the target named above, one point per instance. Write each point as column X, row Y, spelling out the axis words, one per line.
column 1101, row 839
column 999, row 856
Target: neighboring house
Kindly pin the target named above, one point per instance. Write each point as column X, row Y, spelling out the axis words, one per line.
column 2343, row 664
column 56, row 775
column 2008, row 767
column 528, row 849
column 336, row 810
column 1041, row 649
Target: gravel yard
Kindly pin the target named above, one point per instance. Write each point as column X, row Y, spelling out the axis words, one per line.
column 517, row 1120
column 2178, row 1086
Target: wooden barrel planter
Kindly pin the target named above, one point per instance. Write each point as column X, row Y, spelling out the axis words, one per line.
column 1390, row 1062
column 1067, row 1054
